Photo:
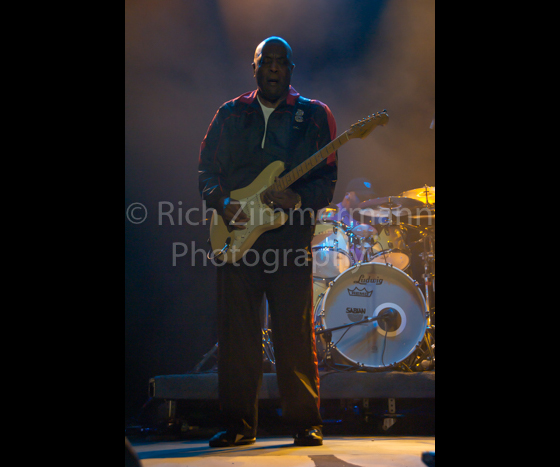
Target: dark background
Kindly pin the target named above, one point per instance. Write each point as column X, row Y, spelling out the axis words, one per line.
column 183, row 59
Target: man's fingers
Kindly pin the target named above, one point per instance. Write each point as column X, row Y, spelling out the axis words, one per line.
column 234, row 215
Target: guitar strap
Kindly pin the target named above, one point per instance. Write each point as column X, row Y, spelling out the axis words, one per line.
column 300, row 122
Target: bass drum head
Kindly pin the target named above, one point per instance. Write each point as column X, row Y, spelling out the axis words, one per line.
column 366, row 291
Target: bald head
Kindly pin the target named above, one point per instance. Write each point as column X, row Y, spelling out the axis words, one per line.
column 273, row 39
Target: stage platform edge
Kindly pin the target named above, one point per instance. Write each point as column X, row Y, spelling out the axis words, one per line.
column 351, row 385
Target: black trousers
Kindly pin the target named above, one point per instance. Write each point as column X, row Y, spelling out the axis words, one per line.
column 280, row 266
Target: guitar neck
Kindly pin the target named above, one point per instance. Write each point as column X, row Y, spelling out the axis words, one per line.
column 294, row 175
column 359, row 130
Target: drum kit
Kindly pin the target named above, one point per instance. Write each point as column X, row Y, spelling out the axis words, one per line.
column 374, row 284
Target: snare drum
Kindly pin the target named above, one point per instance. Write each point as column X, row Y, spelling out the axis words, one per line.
column 331, row 250
column 391, row 248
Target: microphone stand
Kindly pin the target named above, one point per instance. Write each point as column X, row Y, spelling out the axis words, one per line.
column 385, row 316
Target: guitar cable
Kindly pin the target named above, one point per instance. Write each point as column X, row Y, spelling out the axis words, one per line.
column 221, row 252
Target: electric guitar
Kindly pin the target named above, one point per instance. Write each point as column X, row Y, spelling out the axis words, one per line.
column 232, row 244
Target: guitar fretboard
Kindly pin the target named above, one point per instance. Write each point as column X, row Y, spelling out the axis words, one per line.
column 294, row 175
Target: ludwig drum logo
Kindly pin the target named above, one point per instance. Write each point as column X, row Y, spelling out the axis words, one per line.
column 369, row 280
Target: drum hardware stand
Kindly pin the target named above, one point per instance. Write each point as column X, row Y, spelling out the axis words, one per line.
column 330, row 345
column 207, row 357
column 424, row 358
column 328, row 334
column 268, row 348
column 428, row 257
column 427, row 358
column 328, row 361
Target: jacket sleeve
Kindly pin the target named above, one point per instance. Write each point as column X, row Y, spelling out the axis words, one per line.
column 317, row 188
column 211, row 164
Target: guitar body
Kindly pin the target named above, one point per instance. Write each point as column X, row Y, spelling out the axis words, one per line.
column 262, row 217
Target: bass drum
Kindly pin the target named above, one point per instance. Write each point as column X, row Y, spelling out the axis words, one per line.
column 366, row 291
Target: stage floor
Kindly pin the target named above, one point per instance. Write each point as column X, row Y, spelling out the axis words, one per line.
column 281, row 452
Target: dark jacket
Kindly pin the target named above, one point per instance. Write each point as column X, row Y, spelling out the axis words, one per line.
column 231, row 156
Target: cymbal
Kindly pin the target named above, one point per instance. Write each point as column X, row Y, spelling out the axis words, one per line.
column 377, row 211
column 391, row 203
column 427, row 194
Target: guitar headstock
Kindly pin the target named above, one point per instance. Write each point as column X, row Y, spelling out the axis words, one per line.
column 364, row 127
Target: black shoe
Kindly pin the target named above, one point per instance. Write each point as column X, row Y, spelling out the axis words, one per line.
column 310, row 437
column 225, row 439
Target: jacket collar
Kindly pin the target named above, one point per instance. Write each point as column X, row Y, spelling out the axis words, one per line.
column 292, row 98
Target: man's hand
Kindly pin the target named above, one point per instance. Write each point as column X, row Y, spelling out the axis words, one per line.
column 287, row 199
column 233, row 214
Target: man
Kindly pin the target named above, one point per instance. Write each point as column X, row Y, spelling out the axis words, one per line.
column 357, row 191
column 248, row 133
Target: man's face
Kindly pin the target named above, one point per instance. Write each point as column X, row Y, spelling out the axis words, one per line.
column 273, row 70
column 351, row 200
